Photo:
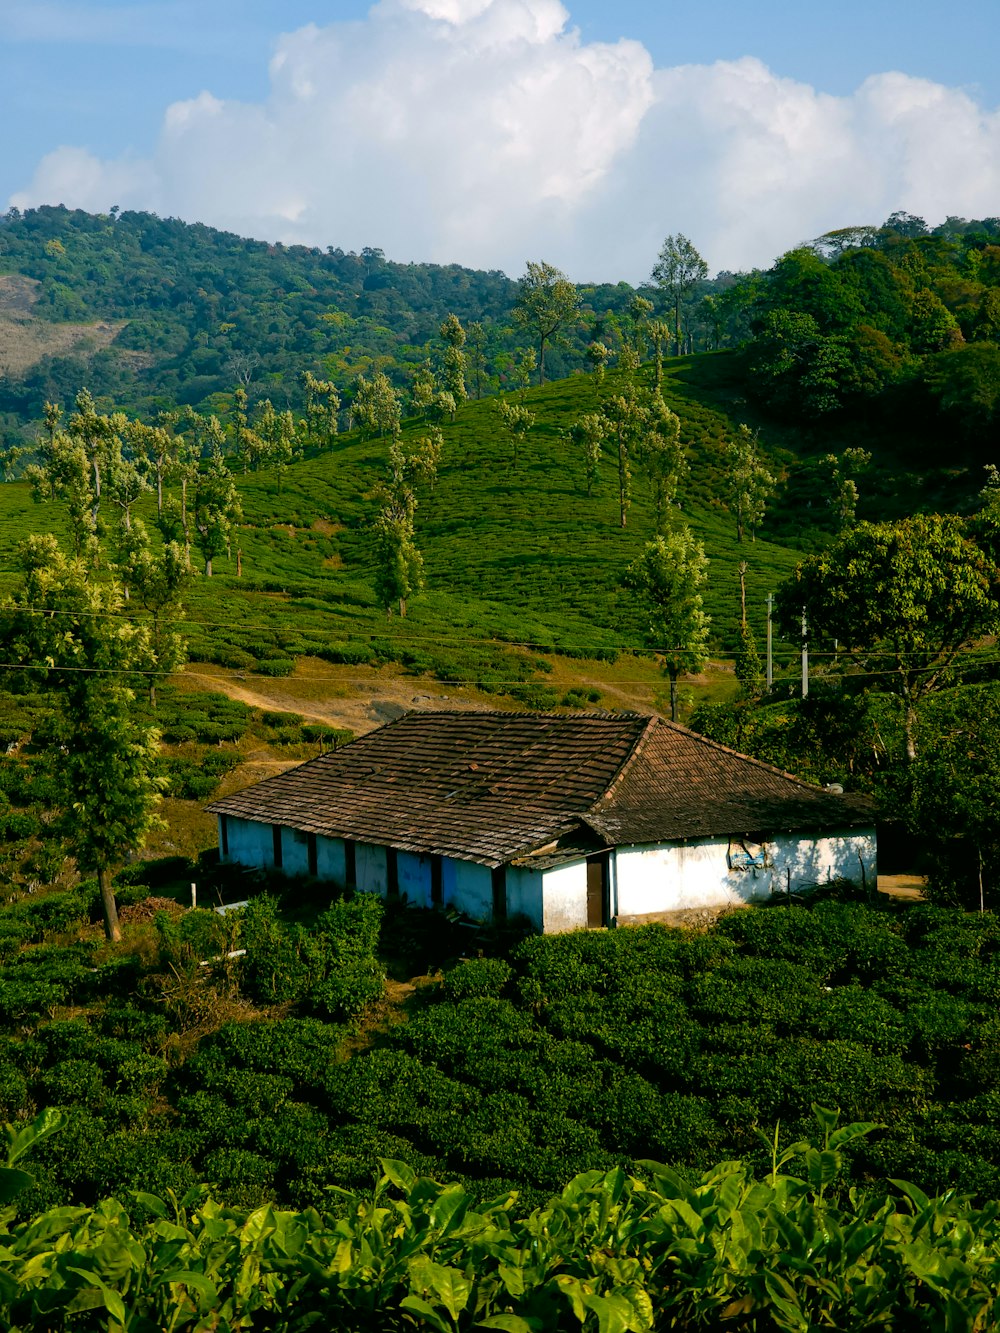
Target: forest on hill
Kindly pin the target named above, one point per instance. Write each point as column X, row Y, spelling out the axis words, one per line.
column 889, row 330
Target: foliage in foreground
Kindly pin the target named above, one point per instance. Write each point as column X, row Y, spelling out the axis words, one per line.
column 612, row 1253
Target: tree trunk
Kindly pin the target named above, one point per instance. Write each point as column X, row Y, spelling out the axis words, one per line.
column 910, row 726
column 673, row 696
column 112, row 930
column 208, row 568
column 402, row 607
column 541, row 362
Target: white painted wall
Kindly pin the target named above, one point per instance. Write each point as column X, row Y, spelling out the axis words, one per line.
column 669, row 878
column 565, row 898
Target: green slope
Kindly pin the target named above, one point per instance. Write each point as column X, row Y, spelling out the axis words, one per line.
column 520, row 555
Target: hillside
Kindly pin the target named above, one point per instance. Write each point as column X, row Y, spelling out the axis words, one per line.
column 516, row 554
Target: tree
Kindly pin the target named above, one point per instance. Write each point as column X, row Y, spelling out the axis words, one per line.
column 623, row 424
column 422, row 389
column 103, row 758
column 157, row 580
column 277, row 430
column 453, row 371
column 216, row 509
column 322, row 408
column 588, row 434
column 598, row 355
column 425, row 456
column 398, row 563
column 659, row 335
column 517, row 421
column 251, row 448
column 63, row 473
column 843, row 493
column 955, row 789
column 667, row 578
column 747, row 483
column 662, row 455
column 546, row 300
column 477, row 354
column 639, row 312
column 901, row 599
column 676, row 272
column 376, row 404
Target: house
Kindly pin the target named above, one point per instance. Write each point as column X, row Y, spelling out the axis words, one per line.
column 572, row 821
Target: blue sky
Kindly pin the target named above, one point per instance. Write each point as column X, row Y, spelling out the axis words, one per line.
column 99, row 78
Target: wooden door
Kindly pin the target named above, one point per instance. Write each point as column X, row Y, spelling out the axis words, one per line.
column 598, row 896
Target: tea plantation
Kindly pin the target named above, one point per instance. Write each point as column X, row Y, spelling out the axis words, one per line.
column 511, row 1071
column 513, row 554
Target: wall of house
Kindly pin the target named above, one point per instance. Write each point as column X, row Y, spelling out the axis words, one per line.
column 527, row 895
column 564, row 890
column 330, row 860
column 649, row 880
column 250, row 843
column 646, row 881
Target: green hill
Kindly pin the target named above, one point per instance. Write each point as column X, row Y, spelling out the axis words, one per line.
column 519, row 555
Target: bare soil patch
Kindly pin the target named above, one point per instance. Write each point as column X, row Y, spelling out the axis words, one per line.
column 357, row 698
column 24, row 340
column 903, row 886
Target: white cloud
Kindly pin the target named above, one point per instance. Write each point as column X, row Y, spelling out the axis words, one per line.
column 488, row 132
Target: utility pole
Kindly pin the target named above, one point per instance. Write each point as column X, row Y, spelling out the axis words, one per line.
column 805, row 656
column 770, row 664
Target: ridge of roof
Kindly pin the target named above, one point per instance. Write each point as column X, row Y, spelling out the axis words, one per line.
column 628, row 763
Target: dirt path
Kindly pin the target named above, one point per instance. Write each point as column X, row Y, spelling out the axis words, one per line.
column 358, row 698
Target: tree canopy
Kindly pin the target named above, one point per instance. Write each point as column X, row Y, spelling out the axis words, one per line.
column 901, row 600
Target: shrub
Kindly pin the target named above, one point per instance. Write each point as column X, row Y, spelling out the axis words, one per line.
column 275, row 666
column 478, row 976
column 332, row 969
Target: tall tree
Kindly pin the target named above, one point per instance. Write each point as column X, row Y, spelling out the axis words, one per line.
column 216, row 509
column 667, row 579
column 63, row 473
column 747, row 483
column 662, row 455
column 454, row 363
column 676, row 272
column 104, row 759
column 546, row 300
column 902, row 600
column 588, row 434
column 477, row 354
column 376, row 404
column 157, row 579
column 398, row 563
column 322, row 409
column 517, row 421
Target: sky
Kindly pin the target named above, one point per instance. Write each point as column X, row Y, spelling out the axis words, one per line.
column 491, row 132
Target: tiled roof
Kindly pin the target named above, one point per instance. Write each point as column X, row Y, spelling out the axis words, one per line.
column 489, row 787
column 478, row 786
column 678, row 784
